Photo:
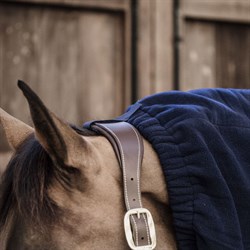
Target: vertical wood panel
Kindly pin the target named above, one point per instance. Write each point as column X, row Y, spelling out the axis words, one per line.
column 197, row 60
column 112, row 5
column 127, row 57
column 155, row 46
column 16, row 53
column 100, row 63
column 144, row 48
column 233, row 55
column 73, row 59
column 223, row 10
column 57, row 59
column 214, row 53
column 164, row 46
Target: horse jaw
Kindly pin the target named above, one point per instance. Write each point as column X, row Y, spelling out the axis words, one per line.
column 15, row 130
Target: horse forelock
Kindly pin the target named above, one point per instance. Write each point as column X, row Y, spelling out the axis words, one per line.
column 26, row 182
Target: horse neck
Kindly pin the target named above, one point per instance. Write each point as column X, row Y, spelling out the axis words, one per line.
column 152, row 178
column 18, row 235
column 5, row 233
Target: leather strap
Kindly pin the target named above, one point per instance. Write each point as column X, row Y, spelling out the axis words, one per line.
column 128, row 146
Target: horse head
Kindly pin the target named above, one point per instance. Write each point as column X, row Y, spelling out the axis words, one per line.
column 62, row 189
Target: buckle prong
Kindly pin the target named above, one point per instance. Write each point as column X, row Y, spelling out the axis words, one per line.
column 138, row 215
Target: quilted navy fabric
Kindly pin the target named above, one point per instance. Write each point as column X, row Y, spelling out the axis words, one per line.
column 202, row 138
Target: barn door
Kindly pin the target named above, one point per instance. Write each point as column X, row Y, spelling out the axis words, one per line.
column 214, row 39
column 75, row 54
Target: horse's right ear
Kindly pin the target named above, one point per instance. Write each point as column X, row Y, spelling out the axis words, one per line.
column 15, row 130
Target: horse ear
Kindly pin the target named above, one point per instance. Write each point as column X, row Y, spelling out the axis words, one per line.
column 15, row 130
column 57, row 137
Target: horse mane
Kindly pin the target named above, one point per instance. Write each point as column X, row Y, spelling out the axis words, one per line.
column 25, row 183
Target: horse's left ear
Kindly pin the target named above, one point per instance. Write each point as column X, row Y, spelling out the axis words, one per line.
column 15, row 130
column 57, row 137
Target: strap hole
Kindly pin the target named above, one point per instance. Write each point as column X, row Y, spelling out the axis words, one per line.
column 132, row 179
column 142, row 238
column 134, row 199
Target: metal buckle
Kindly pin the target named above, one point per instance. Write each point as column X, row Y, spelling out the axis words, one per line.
column 128, row 232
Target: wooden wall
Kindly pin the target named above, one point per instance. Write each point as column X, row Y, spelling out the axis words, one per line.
column 214, row 44
column 75, row 54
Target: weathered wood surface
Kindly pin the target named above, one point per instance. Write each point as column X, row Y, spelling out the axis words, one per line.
column 197, row 56
column 233, row 55
column 155, row 46
column 113, row 5
column 73, row 59
column 212, row 53
column 219, row 10
column 78, row 60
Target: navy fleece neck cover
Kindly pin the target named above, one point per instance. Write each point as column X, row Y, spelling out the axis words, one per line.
column 202, row 138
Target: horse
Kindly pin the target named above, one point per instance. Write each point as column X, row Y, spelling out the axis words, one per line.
column 62, row 188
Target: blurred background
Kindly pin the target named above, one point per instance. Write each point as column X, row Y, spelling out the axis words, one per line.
column 90, row 59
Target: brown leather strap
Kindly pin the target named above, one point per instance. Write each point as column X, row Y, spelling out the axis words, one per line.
column 128, row 146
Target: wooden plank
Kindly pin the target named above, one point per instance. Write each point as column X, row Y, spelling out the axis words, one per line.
column 121, row 88
column 217, row 10
column 144, row 45
column 233, row 55
column 215, row 55
column 163, row 45
column 73, row 59
column 111, row 5
column 15, row 43
column 155, row 46
column 197, row 56
column 127, row 90
column 101, row 63
column 57, row 57
column 212, row 53
column 3, row 142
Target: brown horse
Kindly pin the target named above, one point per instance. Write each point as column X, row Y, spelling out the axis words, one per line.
column 62, row 189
